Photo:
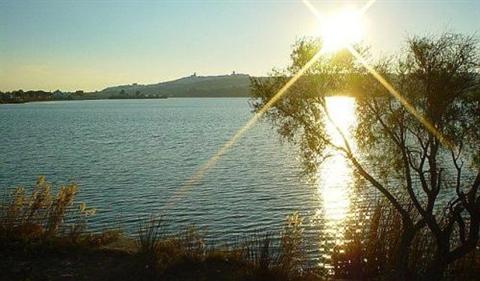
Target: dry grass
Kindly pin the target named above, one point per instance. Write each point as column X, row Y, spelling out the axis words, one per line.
column 40, row 224
column 257, row 257
column 38, row 217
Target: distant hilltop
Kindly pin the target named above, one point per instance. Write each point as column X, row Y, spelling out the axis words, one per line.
column 230, row 85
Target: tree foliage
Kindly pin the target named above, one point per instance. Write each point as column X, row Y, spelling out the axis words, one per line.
column 435, row 171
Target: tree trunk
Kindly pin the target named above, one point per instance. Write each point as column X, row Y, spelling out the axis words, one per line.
column 436, row 271
column 440, row 262
column 402, row 272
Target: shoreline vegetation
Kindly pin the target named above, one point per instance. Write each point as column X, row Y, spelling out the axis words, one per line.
column 44, row 236
column 232, row 85
column 18, row 97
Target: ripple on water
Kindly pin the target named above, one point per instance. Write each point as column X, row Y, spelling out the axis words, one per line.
column 130, row 157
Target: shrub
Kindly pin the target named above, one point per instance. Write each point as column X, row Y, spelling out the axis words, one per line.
column 39, row 217
column 257, row 257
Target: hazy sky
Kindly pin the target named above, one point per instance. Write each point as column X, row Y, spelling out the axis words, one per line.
column 90, row 45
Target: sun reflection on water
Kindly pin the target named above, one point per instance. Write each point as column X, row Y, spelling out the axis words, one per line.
column 342, row 111
column 335, row 175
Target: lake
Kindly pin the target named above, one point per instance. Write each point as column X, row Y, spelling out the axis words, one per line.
column 131, row 159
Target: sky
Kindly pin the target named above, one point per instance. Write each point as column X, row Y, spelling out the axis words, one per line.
column 90, row 45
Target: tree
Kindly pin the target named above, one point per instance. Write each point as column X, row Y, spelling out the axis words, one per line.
column 435, row 172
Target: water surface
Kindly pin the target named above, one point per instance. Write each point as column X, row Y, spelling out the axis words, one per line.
column 130, row 156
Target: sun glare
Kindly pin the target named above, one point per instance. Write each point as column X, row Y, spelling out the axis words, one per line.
column 342, row 111
column 335, row 177
column 341, row 29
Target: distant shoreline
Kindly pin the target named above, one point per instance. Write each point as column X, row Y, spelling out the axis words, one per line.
column 120, row 99
column 230, row 85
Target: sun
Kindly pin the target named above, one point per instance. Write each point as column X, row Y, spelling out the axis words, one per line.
column 341, row 29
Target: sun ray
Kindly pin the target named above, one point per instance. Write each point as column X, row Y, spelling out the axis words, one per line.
column 312, row 8
column 317, row 14
column 410, row 108
column 367, row 6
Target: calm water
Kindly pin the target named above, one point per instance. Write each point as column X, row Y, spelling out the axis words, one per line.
column 130, row 156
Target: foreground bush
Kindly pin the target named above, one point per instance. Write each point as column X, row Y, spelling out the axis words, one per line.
column 257, row 257
column 39, row 231
column 38, row 218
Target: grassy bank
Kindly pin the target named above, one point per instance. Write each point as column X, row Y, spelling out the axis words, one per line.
column 44, row 236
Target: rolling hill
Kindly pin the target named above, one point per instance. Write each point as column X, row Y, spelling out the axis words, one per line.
column 233, row 85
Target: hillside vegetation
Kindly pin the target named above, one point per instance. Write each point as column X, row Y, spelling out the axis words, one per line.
column 233, row 85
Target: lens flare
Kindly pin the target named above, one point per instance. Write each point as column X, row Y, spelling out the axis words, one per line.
column 338, row 40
